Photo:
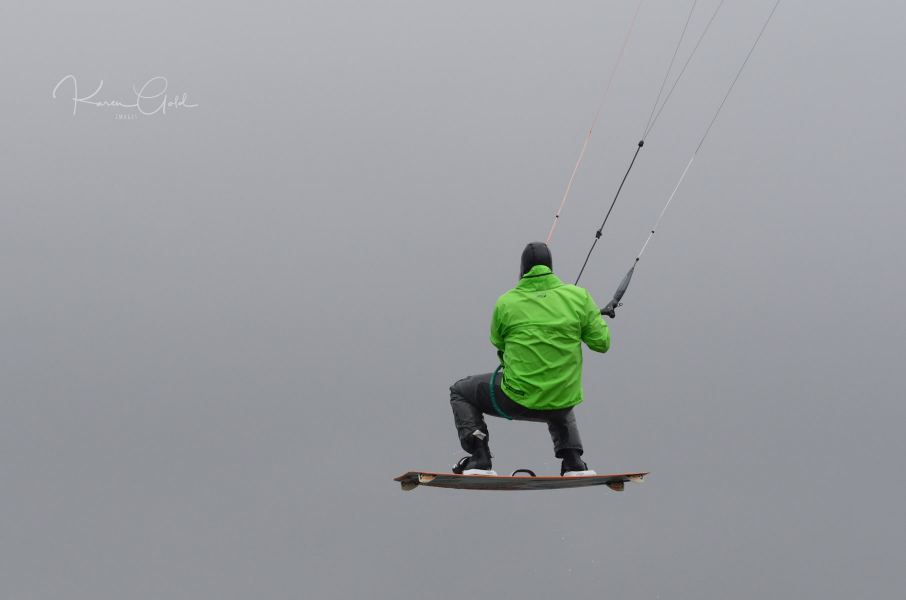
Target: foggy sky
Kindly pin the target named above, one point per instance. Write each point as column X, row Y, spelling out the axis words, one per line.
column 227, row 328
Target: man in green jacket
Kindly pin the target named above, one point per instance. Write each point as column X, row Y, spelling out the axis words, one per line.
column 538, row 329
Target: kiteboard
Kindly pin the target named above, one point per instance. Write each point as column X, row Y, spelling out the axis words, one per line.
column 522, row 479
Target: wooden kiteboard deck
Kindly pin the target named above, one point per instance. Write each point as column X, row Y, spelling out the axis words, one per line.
column 413, row 479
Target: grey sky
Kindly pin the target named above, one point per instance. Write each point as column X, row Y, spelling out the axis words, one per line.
column 227, row 328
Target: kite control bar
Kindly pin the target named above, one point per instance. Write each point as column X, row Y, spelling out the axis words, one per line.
column 611, row 308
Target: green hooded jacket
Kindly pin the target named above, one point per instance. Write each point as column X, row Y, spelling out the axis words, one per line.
column 539, row 327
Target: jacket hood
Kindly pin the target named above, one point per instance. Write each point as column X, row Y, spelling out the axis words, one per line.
column 539, row 278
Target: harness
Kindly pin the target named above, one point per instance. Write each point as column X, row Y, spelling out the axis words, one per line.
column 491, row 385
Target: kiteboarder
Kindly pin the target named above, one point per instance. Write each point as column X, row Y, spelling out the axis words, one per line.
column 538, row 328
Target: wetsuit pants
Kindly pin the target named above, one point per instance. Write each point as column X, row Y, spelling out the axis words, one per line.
column 471, row 400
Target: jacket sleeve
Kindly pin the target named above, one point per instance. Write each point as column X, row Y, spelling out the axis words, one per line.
column 595, row 332
column 497, row 328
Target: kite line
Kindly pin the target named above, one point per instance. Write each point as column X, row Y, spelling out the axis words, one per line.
column 610, row 308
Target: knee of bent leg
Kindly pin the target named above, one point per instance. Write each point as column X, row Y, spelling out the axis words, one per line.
column 457, row 390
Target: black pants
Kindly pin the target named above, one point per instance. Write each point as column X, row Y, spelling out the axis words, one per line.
column 471, row 400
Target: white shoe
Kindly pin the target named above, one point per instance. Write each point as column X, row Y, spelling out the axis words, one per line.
column 463, row 468
column 479, row 472
column 585, row 473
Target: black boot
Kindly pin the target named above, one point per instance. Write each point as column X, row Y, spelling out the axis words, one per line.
column 479, row 463
column 573, row 465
